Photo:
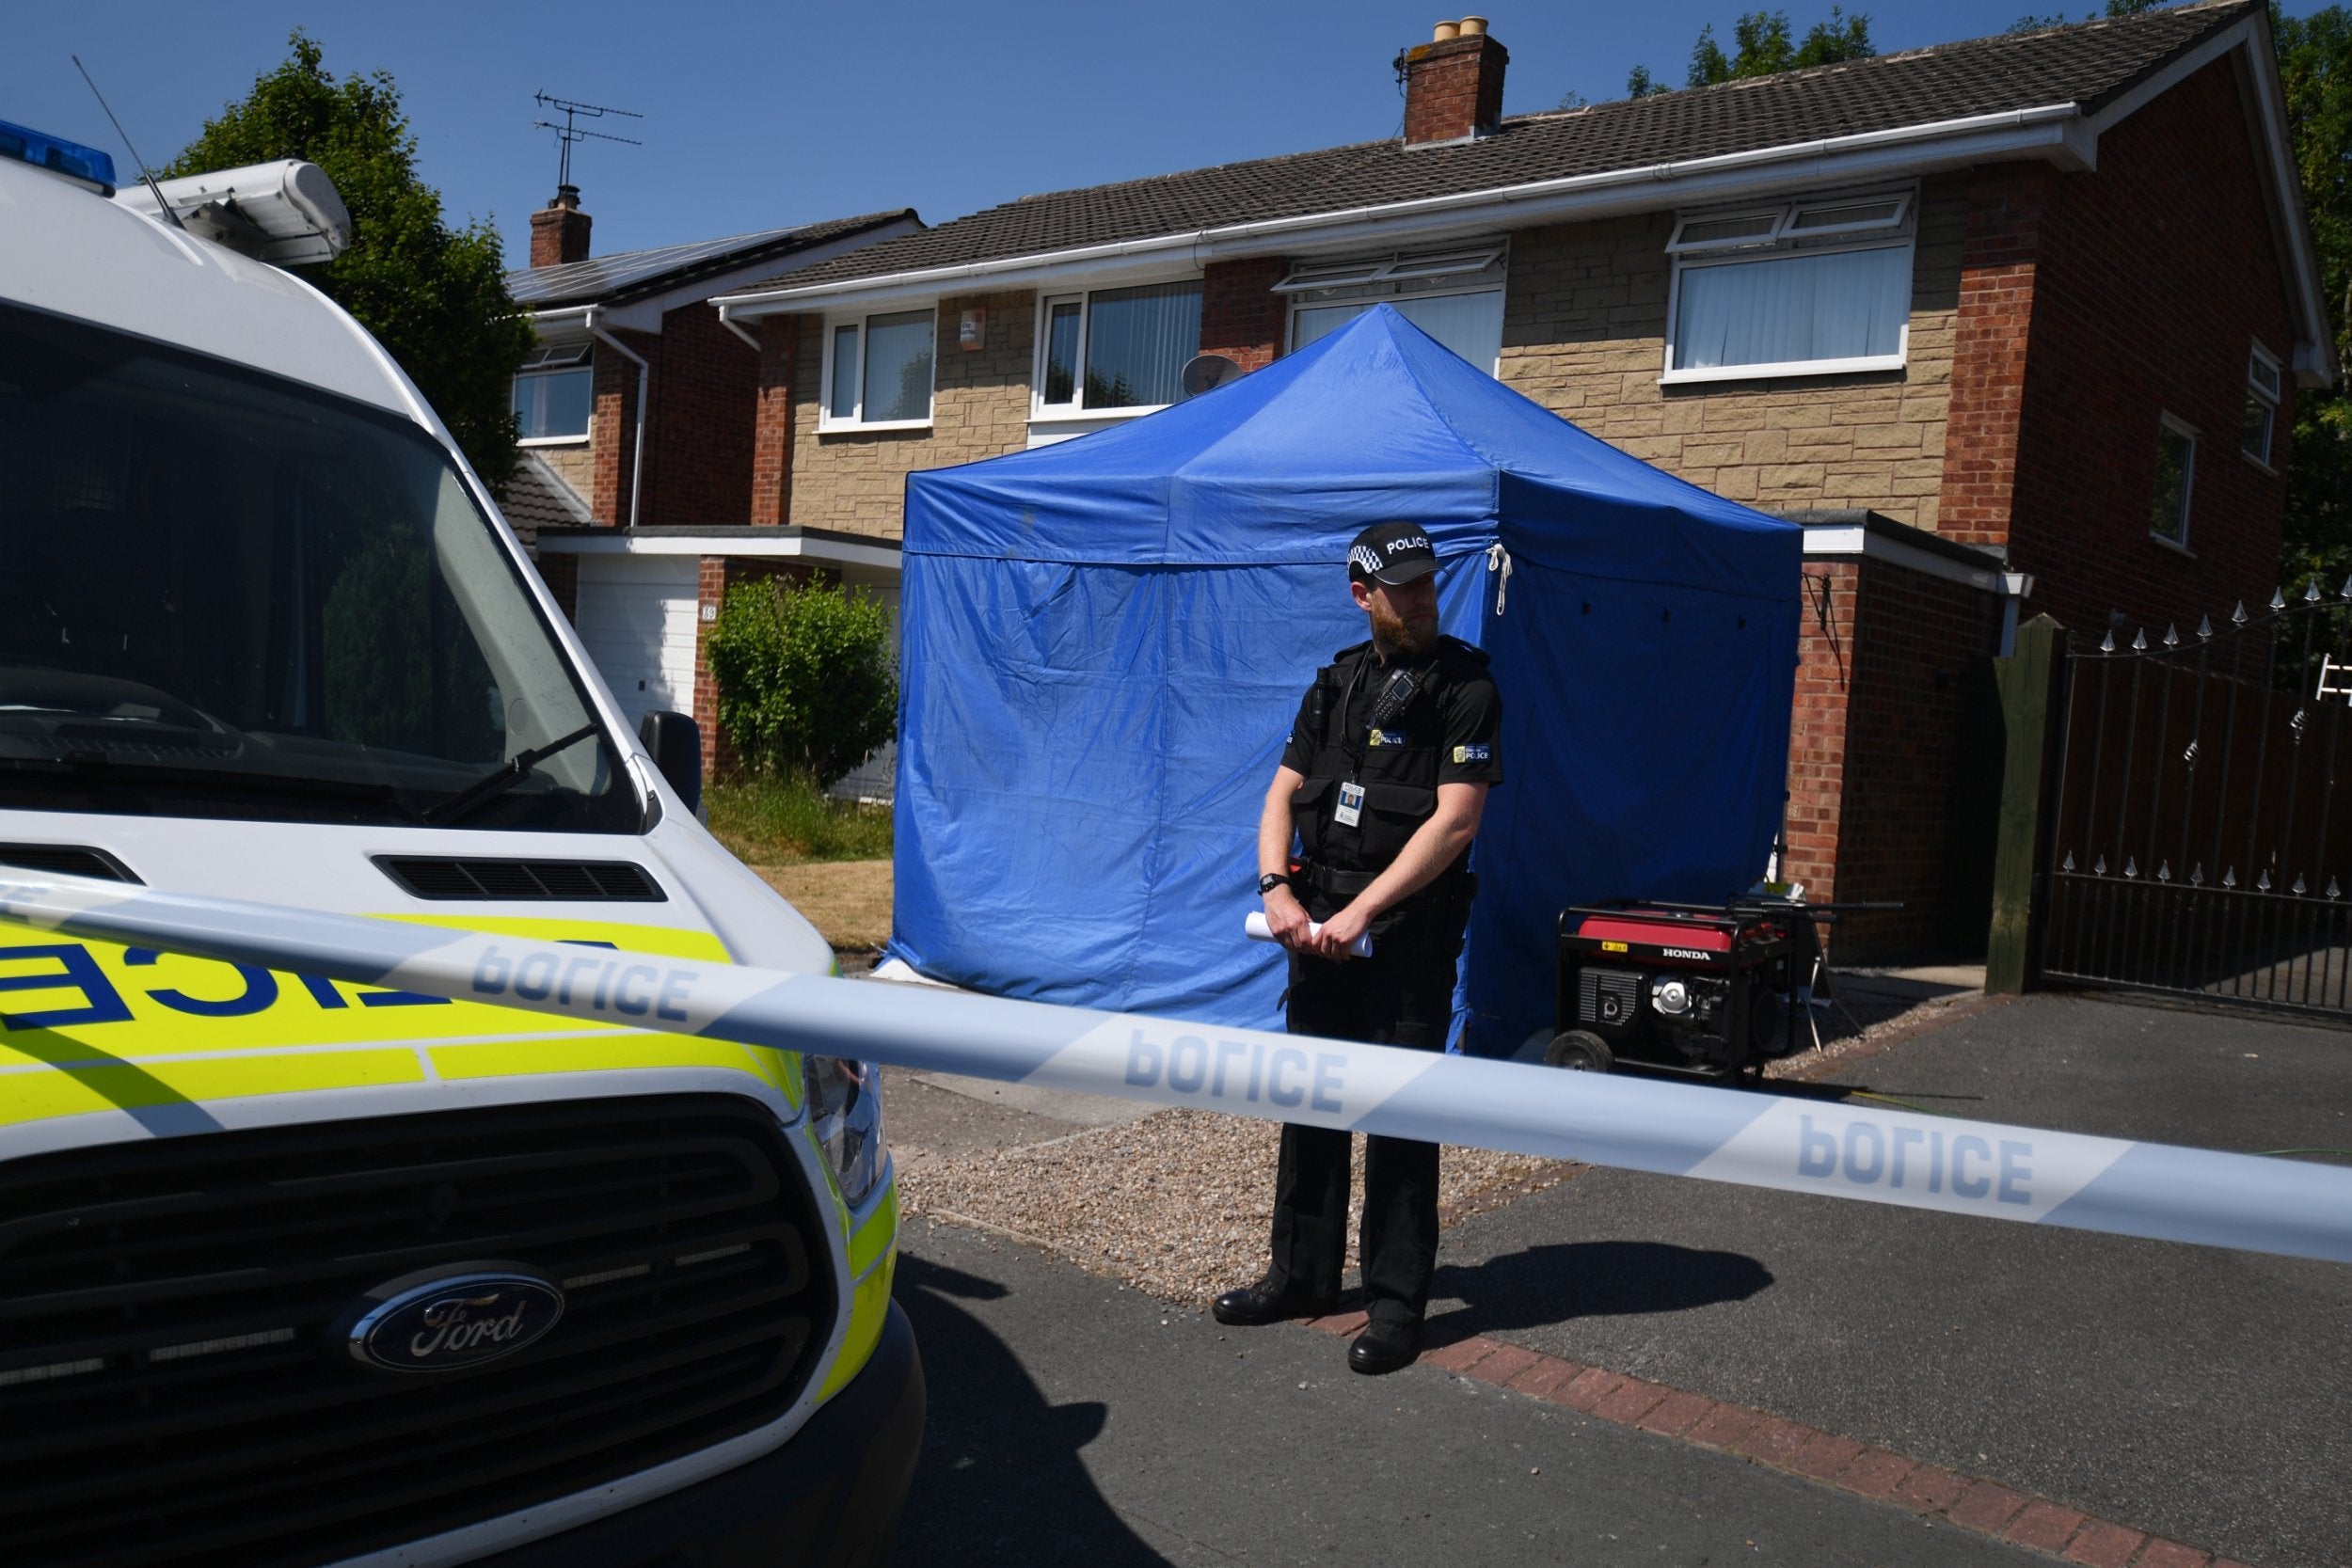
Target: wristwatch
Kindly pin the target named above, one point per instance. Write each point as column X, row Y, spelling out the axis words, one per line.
column 1271, row 880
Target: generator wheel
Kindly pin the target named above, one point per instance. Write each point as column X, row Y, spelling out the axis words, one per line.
column 1579, row 1050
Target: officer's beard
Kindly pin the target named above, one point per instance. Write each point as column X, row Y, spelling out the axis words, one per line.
column 1394, row 635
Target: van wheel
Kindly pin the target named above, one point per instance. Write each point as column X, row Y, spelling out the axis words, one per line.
column 1579, row 1050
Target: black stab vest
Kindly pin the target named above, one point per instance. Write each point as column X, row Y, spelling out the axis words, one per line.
column 1400, row 781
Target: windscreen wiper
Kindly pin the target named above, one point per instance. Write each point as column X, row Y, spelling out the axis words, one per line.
column 493, row 784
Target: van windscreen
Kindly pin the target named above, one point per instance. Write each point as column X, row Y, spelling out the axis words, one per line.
column 226, row 595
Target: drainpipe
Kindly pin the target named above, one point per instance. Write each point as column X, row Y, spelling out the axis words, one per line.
column 2015, row 587
column 637, row 464
column 737, row 327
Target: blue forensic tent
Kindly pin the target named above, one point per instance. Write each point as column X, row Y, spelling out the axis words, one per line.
column 1103, row 643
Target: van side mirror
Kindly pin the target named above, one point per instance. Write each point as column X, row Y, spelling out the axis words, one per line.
column 677, row 745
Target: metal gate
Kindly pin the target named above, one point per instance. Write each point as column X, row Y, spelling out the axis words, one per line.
column 2199, row 847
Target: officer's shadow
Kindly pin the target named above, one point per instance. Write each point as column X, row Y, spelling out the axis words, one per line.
column 1546, row 1285
column 1000, row 1479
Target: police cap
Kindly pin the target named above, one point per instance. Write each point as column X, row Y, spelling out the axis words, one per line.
column 1391, row 553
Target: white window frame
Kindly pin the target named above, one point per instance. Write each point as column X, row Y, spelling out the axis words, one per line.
column 2178, row 426
column 1899, row 232
column 548, row 361
column 1485, row 268
column 827, row 422
column 2266, row 384
column 1042, row 412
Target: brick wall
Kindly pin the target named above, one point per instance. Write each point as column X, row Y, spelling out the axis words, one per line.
column 575, row 465
column 855, row 481
column 1453, row 89
column 704, row 391
column 772, row 421
column 561, row 573
column 613, row 428
column 2153, row 279
column 1891, row 791
column 1585, row 334
column 1241, row 316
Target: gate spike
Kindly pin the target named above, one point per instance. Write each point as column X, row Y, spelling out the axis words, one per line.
column 2345, row 591
column 2278, row 600
column 2131, row 866
column 2099, row 866
column 2334, row 891
column 2311, row 591
column 2189, row 756
column 2237, row 616
column 2299, row 888
column 2205, row 622
column 2070, row 862
column 2196, row 874
column 2106, row 644
column 2163, row 872
column 2171, row 636
column 2262, row 884
column 2229, row 877
column 2140, row 640
column 2301, row 718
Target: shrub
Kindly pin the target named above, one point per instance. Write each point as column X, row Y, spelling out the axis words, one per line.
column 805, row 677
column 776, row 821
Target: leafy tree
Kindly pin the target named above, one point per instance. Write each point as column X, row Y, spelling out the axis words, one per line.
column 434, row 295
column 1639, row 84
column 805, row 685
column 2315, row 66
column 1763, row 46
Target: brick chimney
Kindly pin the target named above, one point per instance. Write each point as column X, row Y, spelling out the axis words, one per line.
column 1453, row 83
column 559, row 230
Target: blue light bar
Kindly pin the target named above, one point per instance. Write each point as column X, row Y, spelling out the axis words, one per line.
column 82, row 163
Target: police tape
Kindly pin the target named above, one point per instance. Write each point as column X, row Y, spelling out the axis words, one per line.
column 1833, row 1149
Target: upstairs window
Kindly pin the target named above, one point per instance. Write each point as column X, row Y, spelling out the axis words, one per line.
column 877, row 372
column 1116, row 350
column 554, row 393
column 1455, row 295
column 2262, row 404
column 1813, row 287
column 2176, row 473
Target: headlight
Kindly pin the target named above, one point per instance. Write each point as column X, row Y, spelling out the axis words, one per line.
column 845, row 1113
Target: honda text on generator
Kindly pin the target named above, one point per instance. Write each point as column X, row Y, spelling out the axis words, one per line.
column 297, row 1272
column 1688, row 987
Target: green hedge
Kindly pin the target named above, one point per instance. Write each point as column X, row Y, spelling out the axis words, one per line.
column 806, row 685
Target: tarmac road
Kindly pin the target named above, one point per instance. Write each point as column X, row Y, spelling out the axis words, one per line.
column 2193, row 1393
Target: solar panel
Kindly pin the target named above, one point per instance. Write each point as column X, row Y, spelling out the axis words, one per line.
column 600, row 276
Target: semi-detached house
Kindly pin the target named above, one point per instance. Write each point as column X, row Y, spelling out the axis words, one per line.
column 2012, row 324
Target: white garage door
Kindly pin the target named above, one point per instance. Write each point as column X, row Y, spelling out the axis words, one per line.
column 637, row 616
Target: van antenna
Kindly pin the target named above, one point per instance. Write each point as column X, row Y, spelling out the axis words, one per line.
column 153, row 189
column 568, row 132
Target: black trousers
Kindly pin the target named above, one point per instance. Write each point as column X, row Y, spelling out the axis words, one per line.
column 1402, row 995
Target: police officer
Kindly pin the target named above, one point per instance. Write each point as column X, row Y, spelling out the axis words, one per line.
column 1382, row 783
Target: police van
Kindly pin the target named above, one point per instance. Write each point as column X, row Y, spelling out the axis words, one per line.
column 298, row 1272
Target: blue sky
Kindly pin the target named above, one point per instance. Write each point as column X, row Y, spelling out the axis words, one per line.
column 761, row 115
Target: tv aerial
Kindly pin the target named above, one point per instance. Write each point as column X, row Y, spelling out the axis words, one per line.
column 570, row 132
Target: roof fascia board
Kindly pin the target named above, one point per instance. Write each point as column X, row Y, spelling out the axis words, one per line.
column 1859, row 539
column 797, row 546
column 644, row 315
column 2051, row 132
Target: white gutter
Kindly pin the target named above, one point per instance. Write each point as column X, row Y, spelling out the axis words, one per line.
column 737, row 327
column 2054, row 131
column 1835, row 539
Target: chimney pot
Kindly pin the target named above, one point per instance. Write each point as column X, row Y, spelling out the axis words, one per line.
column 1446, row 32
column 1454, row 86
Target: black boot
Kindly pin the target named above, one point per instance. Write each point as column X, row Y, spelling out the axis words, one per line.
column 1385, row 1345
column 1267, row 1303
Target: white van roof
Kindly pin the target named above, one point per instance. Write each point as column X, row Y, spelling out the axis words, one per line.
column 65, row 248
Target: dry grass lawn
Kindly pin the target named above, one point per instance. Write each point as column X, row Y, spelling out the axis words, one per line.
column 847, row 900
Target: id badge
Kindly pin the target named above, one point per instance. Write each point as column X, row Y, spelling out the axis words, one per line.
column 1350, row 810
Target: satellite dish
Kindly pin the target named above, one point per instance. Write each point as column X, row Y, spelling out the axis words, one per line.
column 1205, row 372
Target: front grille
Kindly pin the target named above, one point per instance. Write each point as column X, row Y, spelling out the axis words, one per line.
column 172, row 1383
column 442, row 877
column 72, row 860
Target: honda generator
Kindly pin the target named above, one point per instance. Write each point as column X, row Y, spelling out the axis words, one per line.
column 1679, row 988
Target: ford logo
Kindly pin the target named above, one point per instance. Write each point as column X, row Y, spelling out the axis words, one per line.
column 445, row 1319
